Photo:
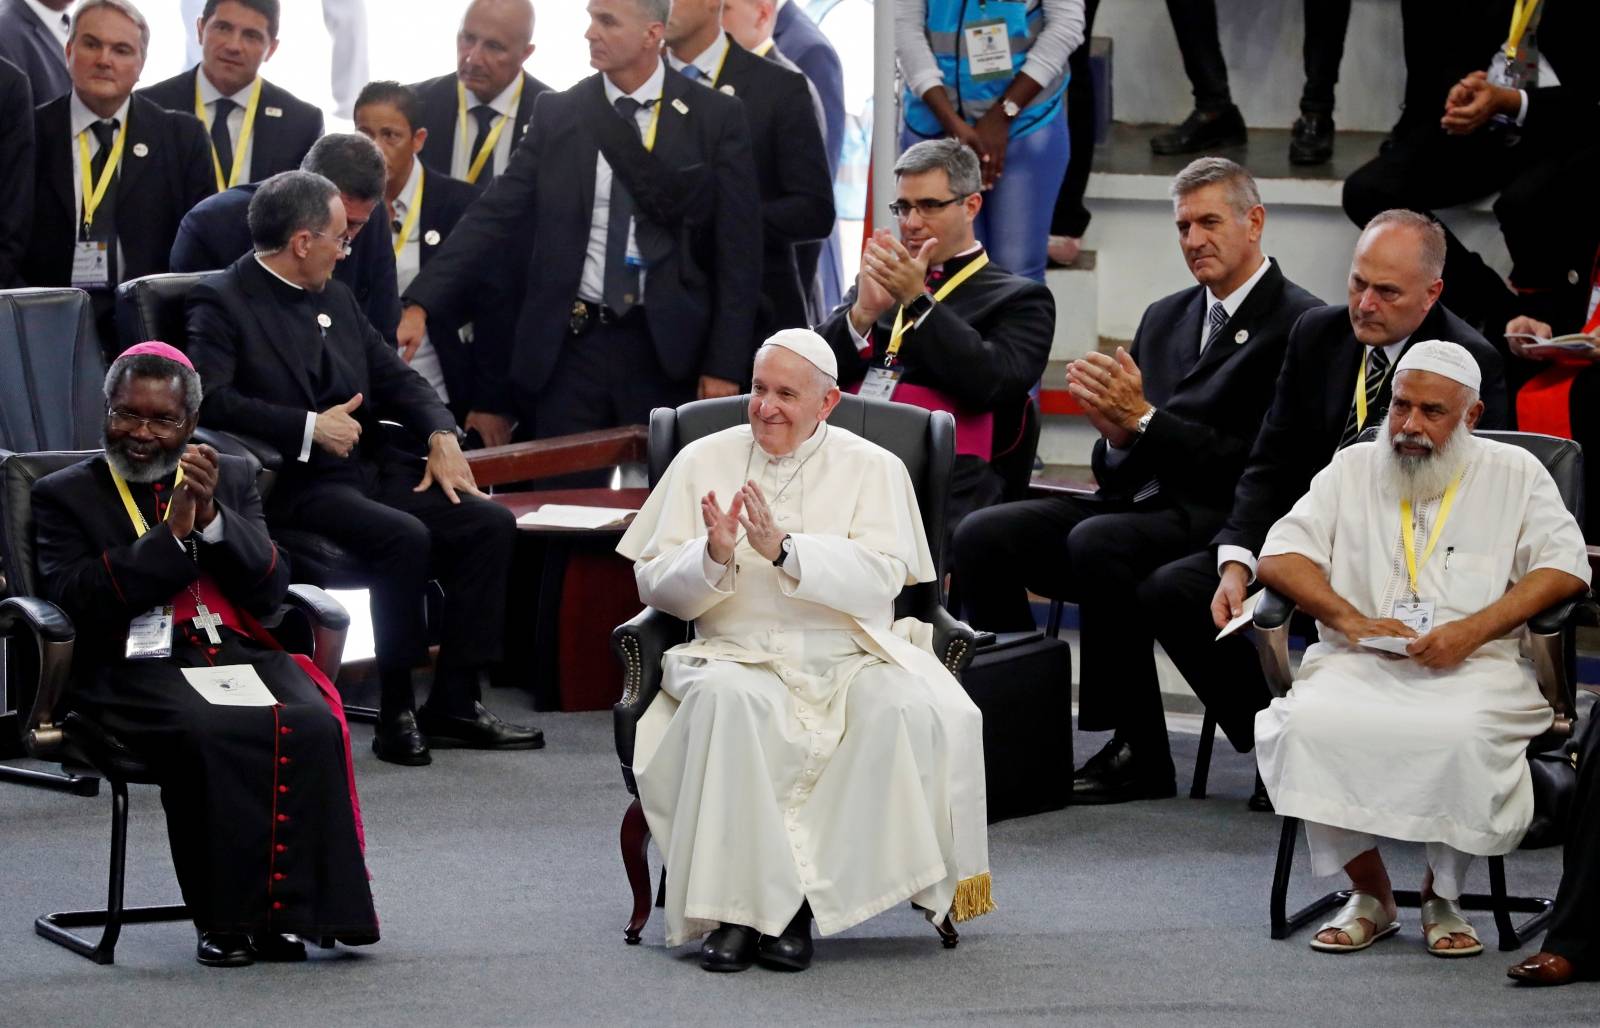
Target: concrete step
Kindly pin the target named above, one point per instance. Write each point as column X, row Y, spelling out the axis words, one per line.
column 1077, row 299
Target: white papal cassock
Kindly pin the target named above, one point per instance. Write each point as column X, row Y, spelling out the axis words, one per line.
column 803, row 746
column 1382, row 745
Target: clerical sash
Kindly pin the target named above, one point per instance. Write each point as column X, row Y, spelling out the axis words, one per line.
column 1544, row 403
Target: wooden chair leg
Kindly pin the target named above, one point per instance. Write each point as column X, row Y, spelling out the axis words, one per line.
column 1202, row 760
column 635, row 842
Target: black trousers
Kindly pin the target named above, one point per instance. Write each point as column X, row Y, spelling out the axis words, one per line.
column 403, row 539
column 1326, row 22
column 1097, row 554
column 1071, row 217
column 1195, row 22
column 1575, row 927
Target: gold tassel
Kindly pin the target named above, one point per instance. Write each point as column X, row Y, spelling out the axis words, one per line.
column 973, row 898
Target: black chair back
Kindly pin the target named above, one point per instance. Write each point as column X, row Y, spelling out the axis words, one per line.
column 1563, row 458
column 18, row 472
column 51, row 371
column 153, row 307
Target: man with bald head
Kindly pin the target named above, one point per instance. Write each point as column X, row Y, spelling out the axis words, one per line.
column 1421, row 556
column 804, row 757
column 476, row 117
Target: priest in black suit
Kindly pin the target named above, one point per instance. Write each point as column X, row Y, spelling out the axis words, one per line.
column 153, row 165
column 1177, row 416
column 489, row 86
column 975, row 337
column 260, row 800
column 217, row 232
column 1333, row 352
column 17, row 157
column 257, row 129
column 634, row 207
column 791, row 162
column 286, row 356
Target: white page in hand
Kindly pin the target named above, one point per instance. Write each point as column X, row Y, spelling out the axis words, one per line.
column 230, row 685
column 562, row 515
column 1247, row 611
column 1388, row 644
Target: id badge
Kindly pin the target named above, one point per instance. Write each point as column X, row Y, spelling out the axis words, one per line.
column 91, row 265
column 150, row 635
column 1499, row 73
column 988, row 50
column 1417, row 616
column 879, row 383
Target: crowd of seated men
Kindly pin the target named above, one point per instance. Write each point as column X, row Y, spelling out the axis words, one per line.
column 650, row 238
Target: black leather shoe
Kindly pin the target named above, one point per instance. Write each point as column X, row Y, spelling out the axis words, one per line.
column 1203, row 130
column 1260, row 802
column 730, row 948
column 1114, row 775
column 224, row 949
column 399, row 741
column 483, row 731
column 278, row 949
column 792, row 950
column 1312, row 139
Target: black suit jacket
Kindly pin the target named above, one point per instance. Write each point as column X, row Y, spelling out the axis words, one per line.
column 792, row 173
column 29, row 44
column 441, row 104
column 243, row 341
column 277, row 143
column 1311, row 405
column 704, row 273
column 444, row 201
column 217, row 233
column 154, row 190
column 1567, row 33
column 1207, row 409
column 93, row 566
column 803, row 42
column 17, row 160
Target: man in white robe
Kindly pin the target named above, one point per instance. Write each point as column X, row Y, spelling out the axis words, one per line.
column 805, row 756
column 1410, row 719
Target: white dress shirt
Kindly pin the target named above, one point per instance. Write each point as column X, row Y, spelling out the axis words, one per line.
column 592, row 285
column 79, row 120
column 209, row 95
column 466, row 135
column 425, row 361
column 708, row 63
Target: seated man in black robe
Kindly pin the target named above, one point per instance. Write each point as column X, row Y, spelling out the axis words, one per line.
column 261, row 806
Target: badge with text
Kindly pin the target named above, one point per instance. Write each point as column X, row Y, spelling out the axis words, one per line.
column 988, row 50
column 880, row 383
column 150, row 635
column 1416, row 615
column 91, row 265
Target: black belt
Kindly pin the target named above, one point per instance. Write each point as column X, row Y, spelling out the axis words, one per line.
column 586, row 315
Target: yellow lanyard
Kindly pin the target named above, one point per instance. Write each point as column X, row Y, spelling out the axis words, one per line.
column 481, row 158
column 92, row 193
column 1361, row 389
column 1408, row 531
column 717, row 76
column 900, row 327
column 765, row 48
column 1521, row 15
column 140, row 525
column 412, row 212
column 655, row 124
column 244, row 134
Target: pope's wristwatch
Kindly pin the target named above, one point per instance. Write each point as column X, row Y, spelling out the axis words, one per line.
column 785, row 548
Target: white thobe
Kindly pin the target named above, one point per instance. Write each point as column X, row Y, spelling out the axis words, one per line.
column 1381, row 745
column 803, row 747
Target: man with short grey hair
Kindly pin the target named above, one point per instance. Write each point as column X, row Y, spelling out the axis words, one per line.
column 932, row 322
column 1177, row 413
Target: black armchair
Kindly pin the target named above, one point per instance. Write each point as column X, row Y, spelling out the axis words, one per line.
column 924, row 440
column 1552, row 635
column 40, row 643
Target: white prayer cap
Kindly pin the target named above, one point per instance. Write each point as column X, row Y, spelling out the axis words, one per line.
column 810, row 346
column 1448, row 359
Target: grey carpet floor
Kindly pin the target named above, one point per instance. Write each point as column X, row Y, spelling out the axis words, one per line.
column 502, row 900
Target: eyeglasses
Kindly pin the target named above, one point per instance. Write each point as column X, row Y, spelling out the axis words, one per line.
column 127, row 421
column 345, row 245
column 903, row 208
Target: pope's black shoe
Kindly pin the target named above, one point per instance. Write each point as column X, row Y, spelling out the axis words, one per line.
column 1259, row 801
column 278, row 949
column 730, row 948
column 399, row 741
column 482, row 731
column 1116, row 775
column 1203, row 130
column 1311, row 142
column 792, row 950
column 224, row 949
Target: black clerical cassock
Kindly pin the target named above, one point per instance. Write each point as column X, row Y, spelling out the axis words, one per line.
column 261, row 807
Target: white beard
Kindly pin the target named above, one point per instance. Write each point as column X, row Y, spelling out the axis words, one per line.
column 154, row 471
column 1422, row 478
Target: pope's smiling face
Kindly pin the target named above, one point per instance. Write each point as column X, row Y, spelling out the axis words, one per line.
column 789, row 397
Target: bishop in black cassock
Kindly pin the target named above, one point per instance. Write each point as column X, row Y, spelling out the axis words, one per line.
column 261, row 807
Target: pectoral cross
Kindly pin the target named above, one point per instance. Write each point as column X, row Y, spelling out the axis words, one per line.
column 205, row 621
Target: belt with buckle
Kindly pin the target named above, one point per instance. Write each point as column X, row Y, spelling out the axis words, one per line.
column 586, row 315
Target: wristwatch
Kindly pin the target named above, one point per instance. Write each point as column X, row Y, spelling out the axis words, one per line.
column 1144, row 421
column 1010, row 108
column 918, row 308
column 785, row 547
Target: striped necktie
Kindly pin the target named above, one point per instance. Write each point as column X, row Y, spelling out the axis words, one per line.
column 1377, row 366
column 1217, row 318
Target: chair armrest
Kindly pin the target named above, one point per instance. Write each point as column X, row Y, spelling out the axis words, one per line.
column 640, row 644
column 242, row 446
column 1552, row 645
column 954, row 642
column 330, row 624
column 1270, row 630
column 53, row 635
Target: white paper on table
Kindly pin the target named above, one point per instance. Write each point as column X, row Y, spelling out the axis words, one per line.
column 230, row 685
column 1388, row 644
column 1247, row 611
column 562, row 515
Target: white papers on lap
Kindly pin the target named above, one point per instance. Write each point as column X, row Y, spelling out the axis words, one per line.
column 1388, row 644
column 562, row 515
column 231, row 685
column 1247, row 610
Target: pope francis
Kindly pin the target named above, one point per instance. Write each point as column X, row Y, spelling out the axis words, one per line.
column 807, row 755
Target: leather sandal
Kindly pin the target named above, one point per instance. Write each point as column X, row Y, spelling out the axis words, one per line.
column 1441, row 918
column 1360, row 906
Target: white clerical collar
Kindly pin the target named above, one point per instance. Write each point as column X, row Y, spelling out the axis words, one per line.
column 52, row 19
column 402, row 203
column 709, row 61
column 80, row 117
column 268, row 268
column 210, row 94
column 1236, row 299
column 501, row 104
column 651, row 90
